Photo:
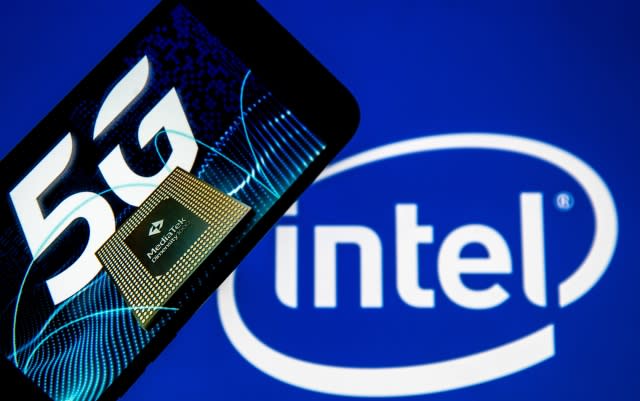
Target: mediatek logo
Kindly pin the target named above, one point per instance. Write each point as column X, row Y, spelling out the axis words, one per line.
column 528, row 243
column 173, row 234
column 155, row 228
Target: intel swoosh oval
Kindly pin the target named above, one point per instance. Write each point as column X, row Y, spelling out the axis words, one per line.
column 444, row 375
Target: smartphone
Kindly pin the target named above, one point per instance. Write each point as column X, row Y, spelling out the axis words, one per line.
column 216, row 90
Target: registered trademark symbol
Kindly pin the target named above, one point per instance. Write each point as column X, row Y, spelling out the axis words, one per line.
column 564, row 201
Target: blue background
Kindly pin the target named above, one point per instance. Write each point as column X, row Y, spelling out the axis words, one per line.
column 564, row 73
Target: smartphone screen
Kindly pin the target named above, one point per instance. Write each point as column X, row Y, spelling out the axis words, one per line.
column 175, row 96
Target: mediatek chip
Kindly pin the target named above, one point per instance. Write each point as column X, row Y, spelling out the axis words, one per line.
column 164, row 242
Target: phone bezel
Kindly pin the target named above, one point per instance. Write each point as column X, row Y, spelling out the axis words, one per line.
column 330, row 112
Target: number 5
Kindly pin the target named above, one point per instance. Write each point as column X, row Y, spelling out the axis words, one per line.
column 41, row 231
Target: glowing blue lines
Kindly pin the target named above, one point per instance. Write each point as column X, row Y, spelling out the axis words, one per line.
column 289, row 162
column 96, row 314
column 246, row 133
column 54, row 314
column 173, row 132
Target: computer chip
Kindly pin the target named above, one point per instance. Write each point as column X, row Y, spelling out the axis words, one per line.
column 153, row 253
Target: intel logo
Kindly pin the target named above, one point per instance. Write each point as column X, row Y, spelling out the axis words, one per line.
column 455, row 258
